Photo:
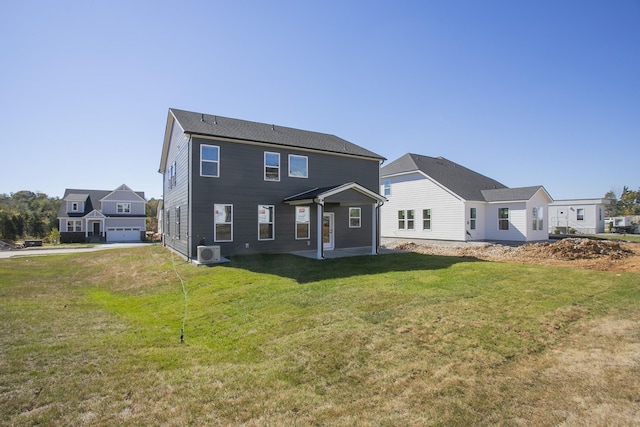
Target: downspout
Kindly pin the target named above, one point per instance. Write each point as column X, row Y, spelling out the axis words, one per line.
column 189, row 231
column 377, row 209
column 319, row 220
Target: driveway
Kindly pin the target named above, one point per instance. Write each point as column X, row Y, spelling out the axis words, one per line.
column 56, row 250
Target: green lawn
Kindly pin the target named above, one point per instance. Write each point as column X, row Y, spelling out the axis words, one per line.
column 401, row 339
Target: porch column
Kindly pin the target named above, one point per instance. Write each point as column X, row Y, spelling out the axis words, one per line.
column 86, row 227
column 374, row 229
column 319, row 253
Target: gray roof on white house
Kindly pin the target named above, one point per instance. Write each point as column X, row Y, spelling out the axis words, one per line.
column 225, row 127
column 462, row 181
column 510, row 194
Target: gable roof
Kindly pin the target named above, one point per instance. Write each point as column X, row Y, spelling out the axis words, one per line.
column 512, row 194
column 322, row 193
column 464, row 182
column 92, row 198
column 244, row 130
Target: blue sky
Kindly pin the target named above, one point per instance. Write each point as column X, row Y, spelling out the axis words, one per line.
column 525, row 92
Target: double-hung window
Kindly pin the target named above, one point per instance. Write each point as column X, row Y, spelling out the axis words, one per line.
column 123, row 207
column 355, row 216
column 298, row 166
column 265, row 222
column 209, row 160
column 74, row 225
column 472, row 218
column 177, row 222
column 223, row 223
column 503, row 218
column 271, row 166
column 580, row 214
column 387, row 188
column 303, row 222
column 406, row 220
column 534, row 218
column 426, row 219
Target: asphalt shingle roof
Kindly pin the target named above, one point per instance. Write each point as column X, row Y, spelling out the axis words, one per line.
column 219, row 126
column 462, row 181
column 510, row 194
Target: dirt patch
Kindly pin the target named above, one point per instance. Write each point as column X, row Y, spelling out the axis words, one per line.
column 603, row 255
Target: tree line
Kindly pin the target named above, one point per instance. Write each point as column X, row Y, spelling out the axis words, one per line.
column 628, row 203
column 26, row 214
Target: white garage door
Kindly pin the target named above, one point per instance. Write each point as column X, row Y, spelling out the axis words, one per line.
column 123, row 234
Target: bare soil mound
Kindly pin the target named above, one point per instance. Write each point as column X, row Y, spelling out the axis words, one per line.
column 604, row 255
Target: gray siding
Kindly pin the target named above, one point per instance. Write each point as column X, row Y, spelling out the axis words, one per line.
column 176, row 193
column 241, row 183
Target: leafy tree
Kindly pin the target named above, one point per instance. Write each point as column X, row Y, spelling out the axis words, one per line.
column 627, row 204
column 151, row 210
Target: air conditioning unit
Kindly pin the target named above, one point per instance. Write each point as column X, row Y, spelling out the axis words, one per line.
column 208, row 254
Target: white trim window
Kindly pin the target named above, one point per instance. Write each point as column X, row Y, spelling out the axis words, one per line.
column 426, row 219
column 177, row 222
column 402, row 220
column 473, row 215
column 386, row 188
column 266, row 221
column 298, row 166
column 223, row 223
column 355, row 217
column 534, row 218
column 303, row 222
column 74, row 225
column 209, row 160
column 271, row 166
column 580, row 214
column 123, row 208
column 75, row 207
column 503, row 219
column 410, row 219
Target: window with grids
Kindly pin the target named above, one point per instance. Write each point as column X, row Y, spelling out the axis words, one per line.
column 123, row 207
column 503, row 218
column 426, row 219
column 472, row 218
column 355, row 215
column 74, row 225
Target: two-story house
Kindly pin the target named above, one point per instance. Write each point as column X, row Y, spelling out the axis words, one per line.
column 102, row 216
column 436, row 199
column 244, row 187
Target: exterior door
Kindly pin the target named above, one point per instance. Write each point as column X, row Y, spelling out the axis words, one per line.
column 96, row 228
column 327, row 230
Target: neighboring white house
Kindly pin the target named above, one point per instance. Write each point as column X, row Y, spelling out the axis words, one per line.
column 435, row 198
column 586, row 216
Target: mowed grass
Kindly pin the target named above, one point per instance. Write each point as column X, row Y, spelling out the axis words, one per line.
column 391, row 340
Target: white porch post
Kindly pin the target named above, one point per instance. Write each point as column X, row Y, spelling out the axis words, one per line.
column 319, row 254
column 374, row 229
column 86, row 227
